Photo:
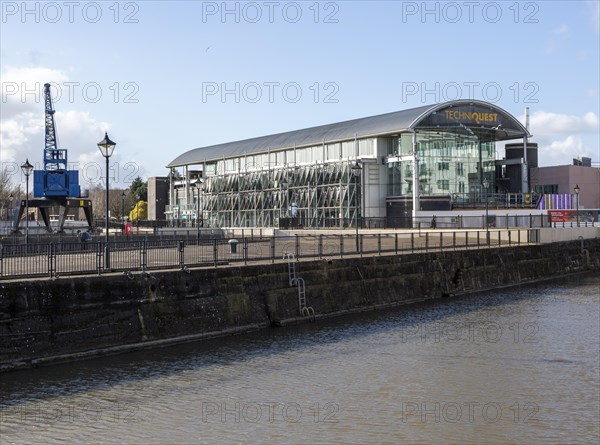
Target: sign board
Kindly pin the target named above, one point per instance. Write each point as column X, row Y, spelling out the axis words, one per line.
column 562, row 216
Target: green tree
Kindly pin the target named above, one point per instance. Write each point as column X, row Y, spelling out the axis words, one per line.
column 138, row 191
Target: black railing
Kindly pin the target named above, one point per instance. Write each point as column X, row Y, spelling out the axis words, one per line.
column 52, row 260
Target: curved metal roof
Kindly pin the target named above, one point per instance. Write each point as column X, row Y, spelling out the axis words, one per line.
column 380, row 125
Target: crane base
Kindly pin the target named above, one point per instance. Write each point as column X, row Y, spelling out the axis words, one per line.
column 64, row 205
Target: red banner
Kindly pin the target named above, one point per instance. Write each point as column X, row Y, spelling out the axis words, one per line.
column 562, row 215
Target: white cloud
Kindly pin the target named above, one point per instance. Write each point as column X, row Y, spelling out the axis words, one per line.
column 562, row 151
column 22, row 88
column 546, row 123
column 22, row 130
column 32, row 76
column 562, row 137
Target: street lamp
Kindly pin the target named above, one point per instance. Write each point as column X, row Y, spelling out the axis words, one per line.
column 486, row 184
column 577, row 189
column 27, row 168
column 106, row 147
column 356, row 170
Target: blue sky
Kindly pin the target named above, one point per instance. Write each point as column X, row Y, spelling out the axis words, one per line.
column 153, row 73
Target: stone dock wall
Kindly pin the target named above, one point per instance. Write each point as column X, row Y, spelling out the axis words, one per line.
column 44, row 321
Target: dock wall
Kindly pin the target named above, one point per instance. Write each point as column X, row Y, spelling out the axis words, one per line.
column 48, row 320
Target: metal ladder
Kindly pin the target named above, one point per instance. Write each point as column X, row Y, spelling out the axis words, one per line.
column 291, row 268
column 294, row 280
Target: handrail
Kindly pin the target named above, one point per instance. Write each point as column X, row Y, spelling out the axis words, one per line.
column 77, row 258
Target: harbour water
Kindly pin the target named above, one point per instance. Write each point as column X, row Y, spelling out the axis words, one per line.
column 510, row 366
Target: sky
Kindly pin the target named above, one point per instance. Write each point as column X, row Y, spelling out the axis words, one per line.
column 163, row 78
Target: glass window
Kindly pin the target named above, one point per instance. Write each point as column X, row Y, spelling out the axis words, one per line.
column 365, row 147
column 211, row 169
column 333, row 151
column 443, row 184
column 348, row 149
column 406, row 147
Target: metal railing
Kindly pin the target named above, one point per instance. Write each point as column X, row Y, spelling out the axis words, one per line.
column 434, row 221
column 52, row 260
column 495, row 200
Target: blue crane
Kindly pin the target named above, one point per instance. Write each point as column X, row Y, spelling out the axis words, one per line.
column 54, row 180
column 55, row 185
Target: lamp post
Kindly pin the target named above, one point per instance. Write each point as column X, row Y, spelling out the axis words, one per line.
column 27, row 168
column 283, row 194
column 106, row 147
column 356, row 170
column 200, row 189
column 577, row 189
column 10, row 207
column 486, row 184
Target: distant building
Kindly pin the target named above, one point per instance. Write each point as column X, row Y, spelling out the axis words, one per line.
column 158, row 194
column 562, row 179
column 512, row 170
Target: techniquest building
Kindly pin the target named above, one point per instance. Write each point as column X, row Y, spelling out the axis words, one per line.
column 384, row 168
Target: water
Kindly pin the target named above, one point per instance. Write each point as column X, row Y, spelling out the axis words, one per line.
column 509, row 366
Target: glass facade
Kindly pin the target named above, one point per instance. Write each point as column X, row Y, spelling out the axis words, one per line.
column 449, row 163
column 319, row 195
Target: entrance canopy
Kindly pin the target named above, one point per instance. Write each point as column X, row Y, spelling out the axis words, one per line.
column 483, row 120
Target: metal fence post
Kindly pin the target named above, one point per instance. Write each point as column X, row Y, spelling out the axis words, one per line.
column 107, row 255
column 51, row 259
column 396, row 242
column 360, row 244
column 441, row 240
column 245, row 248
column 341, row 246
column 215, row 251
column 412, row 242
column 297, row 246
column 379, row 243
column 180, row 250
column 99, row 257
column 320, row 245
column 143, row 255
column 272, row 249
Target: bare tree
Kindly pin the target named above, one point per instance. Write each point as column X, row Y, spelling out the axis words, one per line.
column 118, row 206
column 7, row 189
